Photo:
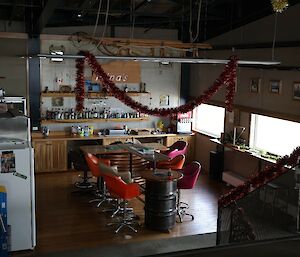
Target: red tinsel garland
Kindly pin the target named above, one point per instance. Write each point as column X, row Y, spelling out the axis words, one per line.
column 227, row 78
column 79, row 89
column 263, row 177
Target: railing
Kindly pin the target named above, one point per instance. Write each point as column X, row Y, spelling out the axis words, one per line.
column 265, row 207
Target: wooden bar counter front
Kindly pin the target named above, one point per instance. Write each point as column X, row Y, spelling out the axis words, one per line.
column 160, row 198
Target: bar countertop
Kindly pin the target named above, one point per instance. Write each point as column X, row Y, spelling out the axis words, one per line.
column 61, row 135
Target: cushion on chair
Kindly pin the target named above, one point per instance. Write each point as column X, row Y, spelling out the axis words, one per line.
column 117, row 187
column 113, row 171
column 173, row 164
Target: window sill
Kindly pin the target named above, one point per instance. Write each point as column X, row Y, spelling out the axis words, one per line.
column 211, row 136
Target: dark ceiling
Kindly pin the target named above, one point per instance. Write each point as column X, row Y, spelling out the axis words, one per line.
column 217, row 16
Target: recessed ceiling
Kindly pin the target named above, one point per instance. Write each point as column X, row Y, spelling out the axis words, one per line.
column 217, row 16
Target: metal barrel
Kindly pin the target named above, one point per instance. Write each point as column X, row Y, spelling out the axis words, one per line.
column 160, row 205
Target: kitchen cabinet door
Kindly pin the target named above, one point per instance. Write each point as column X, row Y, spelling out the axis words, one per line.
column 50, row 155
column 59, row 155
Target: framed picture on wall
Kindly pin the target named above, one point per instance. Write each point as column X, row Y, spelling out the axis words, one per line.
column 255, row 85
column 164, row 100
column 275, row 86
column 296, row 90
column 57, row 101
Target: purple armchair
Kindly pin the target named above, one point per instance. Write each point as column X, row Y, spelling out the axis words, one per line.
column 190, row 175
column 179, row 147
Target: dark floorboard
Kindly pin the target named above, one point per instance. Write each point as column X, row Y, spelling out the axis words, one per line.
column 66, row 220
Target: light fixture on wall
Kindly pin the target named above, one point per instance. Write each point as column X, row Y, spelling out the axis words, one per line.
column 162, row 59
column 56, row 53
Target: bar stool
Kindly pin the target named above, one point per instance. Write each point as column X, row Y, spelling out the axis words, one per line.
column 80, row 164
column 190, row 175
column 123, row 192
column 102, row 194
column 174, row 164
column 179, row 147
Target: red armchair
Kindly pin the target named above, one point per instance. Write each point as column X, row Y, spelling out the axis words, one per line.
column 123, row 192
column 179, row 147
column 190, row 175
column 174, row 164
column 93, row 164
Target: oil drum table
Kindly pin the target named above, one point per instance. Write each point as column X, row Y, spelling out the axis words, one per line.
column 160, row 198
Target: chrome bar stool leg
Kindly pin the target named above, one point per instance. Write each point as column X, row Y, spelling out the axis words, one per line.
column 125, row 220
column 181, row 208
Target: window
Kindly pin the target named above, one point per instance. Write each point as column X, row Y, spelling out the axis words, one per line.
column 209, row 119
column 274, row 135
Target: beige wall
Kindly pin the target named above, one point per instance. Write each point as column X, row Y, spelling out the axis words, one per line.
column 202, row 76
column 278, row 105
column 203, row 146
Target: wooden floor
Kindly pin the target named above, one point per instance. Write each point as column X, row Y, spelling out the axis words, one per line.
column 66, row 220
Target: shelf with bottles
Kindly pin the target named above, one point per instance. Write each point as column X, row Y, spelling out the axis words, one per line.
column 88, row 94
column 45, row 122
column 67, row 115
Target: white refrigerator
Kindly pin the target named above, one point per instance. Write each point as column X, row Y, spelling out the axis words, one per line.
column 17, row 175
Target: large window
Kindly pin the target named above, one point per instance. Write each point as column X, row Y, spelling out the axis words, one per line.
column 274, row 135
column 209, row 119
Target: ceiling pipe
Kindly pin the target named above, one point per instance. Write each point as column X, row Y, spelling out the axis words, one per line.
column 161, row 59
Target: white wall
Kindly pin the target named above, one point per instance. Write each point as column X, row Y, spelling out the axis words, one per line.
column 159, row 79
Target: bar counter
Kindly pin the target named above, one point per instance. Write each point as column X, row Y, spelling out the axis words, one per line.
column 60, row 135
column 51, row 153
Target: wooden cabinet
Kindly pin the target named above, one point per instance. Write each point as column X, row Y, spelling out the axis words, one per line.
column 50, row 155
column 190, row 139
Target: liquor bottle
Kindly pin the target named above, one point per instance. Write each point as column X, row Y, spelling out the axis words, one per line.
column 48, row 114
column 57, row 116
column 95, row 114
column 125, row 128
column 72, row 114
column 67, row 114
column 62, row 114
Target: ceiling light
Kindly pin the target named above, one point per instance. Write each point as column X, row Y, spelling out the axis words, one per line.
column 79, row 15
column 164, row 59
column 56, row 53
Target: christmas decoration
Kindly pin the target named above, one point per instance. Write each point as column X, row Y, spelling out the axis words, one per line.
column 279, row 5
column 79, row 89
column 227, row 78
column 261, row 178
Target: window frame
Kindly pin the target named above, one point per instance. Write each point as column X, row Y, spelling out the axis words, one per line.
column 253, row 128
column 207, row 133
